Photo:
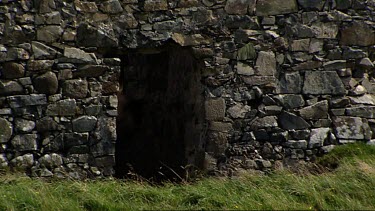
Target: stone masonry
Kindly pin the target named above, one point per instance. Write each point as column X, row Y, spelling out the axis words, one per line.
column 283, row 79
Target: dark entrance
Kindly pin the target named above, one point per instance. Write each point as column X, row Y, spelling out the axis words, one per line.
column 161, row 118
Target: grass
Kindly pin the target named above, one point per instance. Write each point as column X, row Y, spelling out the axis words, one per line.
column 351, row 187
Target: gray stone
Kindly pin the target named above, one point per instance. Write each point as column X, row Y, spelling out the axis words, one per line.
column 75, row 55
column 14, row 54
column 239, row 7
column 366, row 99
column 247, row 52
column 62, row 108
column 318, row 136
column 289, row 121
column 311, row 4
column 84, row 124
column 190, row 40
column 327, row 30
column 238, row 111
column 111, row 6
column 217, row 143
column 290, row 83
column 90, row 71
column 343, row 4
column 335, row 65
column 10, row 88
column 296, row 144
column 42, row 51
column 260, row 81
column 46, row 6
column 39, row 65
column 27, row 100
column 275, row 7
column 265, row 122
column 12, row 70
column 46, row 83
column 300, row 45
column 155, row 5
column 350, row 128
column 49, row 34
column 76, row 88
column 100, row 36
column 223, row 127
column 290, row 101
column 244, row 69
column 24, row 161
column 358, row 33
column 24, row 126
column 85, row 7
column 27, row 142
column 316, row 111
column 324, row 82
column 266, row 64
column 215, row 109
column 6, row 130
column 361, row 111
column 46, row 124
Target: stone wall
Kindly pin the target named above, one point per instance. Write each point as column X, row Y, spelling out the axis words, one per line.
column 283, row 79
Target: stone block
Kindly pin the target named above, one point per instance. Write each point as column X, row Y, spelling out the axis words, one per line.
column 323, row 82
column 275, row 7
column 215, row 109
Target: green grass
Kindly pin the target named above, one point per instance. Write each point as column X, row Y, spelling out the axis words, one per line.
column 350, row 186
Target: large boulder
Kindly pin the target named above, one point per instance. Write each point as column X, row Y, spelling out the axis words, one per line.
column 323, row 82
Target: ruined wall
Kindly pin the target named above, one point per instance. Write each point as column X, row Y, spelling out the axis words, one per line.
column 282, row 78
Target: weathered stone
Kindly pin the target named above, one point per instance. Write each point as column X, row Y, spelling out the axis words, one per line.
column 62, row 108
column 290, row 83
column 46, row 83
column 24, row 126
column 223, row 127
column 300, row 45
column 335, row 65
column 238, row 111
column 111, row 6
column 289, row 121
column 324, row 82
column 6, row 130
column 51, row 160
column 316, row 45
column 101, row 36
column 290, row 101
column 318, row 136
column 27, row 100
column 155, row 5
column 85, row 7
column 27, row 142
column 361, row 111
column 350, row 128
column 46, row 124
column 10, row 88
column 343, row 4
column 53, row 18
column 12, row 70
column 265, row 122
column 76, row 88
column 247, row 52
column 14, row 54
column 311, row 4
column 216, row 143
column 309, row 65
column 24, row 161
column 39, row 65
column 296, row 144
column 190, row 40
column 46, row 6
column 266, row 64
column 215, row 109
column 260, row 81
column 75, row 55
column 358, row 33
column 244, row 69
column 240, row 7
column 84, row 124
column 327, row 30
column 49, row 34
column 365, row 99
column 275, row 7
column 90, row 71
column 317, row 111
column 42, row 51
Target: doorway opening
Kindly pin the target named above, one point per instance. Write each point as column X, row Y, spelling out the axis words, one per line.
column 160, row 123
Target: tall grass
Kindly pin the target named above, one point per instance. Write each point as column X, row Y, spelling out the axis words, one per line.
column 350, row 186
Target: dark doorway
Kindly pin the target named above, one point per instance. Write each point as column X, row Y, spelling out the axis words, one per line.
column 160, row 121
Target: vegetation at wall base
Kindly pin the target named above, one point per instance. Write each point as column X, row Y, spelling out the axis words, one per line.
column 350, row 186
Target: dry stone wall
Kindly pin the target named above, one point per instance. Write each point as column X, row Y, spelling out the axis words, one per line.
column 284, row 79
